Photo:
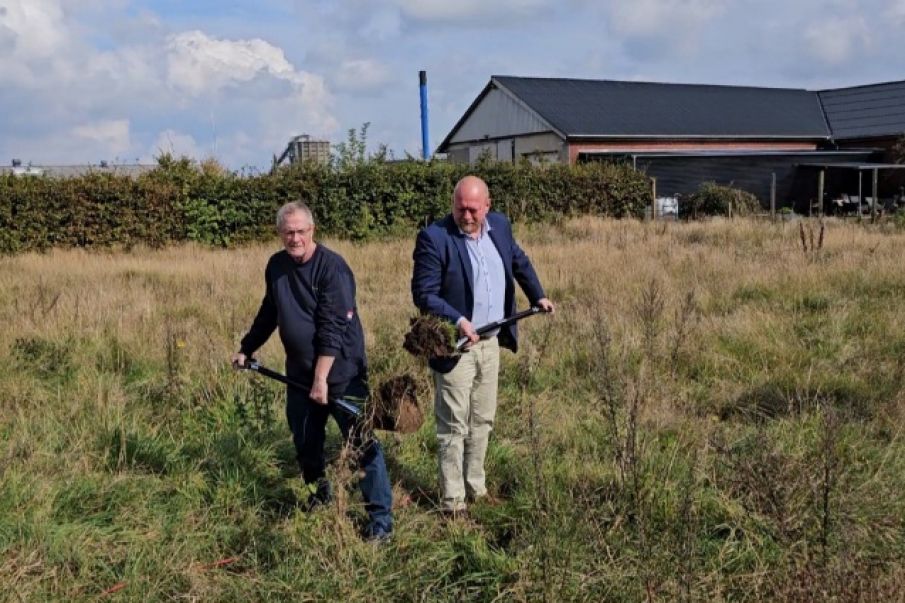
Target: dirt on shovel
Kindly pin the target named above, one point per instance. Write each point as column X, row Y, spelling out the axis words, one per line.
column 430, row 337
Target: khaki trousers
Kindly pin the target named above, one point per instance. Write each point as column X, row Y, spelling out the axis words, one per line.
column 465, row 406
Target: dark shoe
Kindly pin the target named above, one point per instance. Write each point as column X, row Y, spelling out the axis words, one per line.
column 315, row 502
column 377, row 535
column 319, row 498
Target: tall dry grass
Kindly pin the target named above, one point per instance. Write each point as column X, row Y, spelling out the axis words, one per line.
column 714, row 412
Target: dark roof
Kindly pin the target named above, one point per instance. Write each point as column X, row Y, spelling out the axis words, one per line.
column 605, row 108
column 864, row 111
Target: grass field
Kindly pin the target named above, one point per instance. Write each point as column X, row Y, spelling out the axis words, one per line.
column 714, row 413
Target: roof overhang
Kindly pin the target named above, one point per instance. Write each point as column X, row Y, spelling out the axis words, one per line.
column 488, row 139
column 741, row 153
column 696, row 137
column 855, row 166
column 853, row 137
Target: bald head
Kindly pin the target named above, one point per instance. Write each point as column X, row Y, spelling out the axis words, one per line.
column 471, row 186
column 471, row 202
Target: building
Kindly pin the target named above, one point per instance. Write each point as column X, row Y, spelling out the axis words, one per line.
column 73, row 171
column 870, row 116
column 866, row 116
column 304, row 148
column 684, row 134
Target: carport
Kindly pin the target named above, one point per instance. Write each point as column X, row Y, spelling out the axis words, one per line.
column 872, row 168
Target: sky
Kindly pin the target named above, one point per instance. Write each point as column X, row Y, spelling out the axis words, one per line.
column 123, row 81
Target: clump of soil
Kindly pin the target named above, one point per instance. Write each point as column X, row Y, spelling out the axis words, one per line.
column 430, row 337
column 395, row 405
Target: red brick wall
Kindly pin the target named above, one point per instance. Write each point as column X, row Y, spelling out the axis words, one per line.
column 671, row 145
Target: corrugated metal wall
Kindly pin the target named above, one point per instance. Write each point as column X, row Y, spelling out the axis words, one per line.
column 498, row 116
column 546, row 146
column 683, row 174
column 794, row 185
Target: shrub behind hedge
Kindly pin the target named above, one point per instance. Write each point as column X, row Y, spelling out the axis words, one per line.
column 712, row 199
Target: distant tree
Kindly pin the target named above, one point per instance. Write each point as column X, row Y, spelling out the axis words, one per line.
column 210, row 166
column 383, row 153
column 182, row 167
column 353, row 150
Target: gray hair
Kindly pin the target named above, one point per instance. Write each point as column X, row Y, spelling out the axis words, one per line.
column 290, row 208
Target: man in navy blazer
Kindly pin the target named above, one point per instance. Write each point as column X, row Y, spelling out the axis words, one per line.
column 466, row 266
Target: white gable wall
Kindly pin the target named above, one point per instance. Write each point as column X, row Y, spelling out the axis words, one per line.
column 502, row 128
column 498, row 115
column 539, row 148
column 542, row 148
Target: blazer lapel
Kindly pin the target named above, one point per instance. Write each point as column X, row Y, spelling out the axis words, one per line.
column 459, row 241
column 466, row 261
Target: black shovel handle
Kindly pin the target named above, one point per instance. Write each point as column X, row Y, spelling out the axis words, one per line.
column 492, row 326
column 253, row 365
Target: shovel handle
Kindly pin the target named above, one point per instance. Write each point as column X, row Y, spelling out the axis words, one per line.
column 491, row 326
column 253, row 365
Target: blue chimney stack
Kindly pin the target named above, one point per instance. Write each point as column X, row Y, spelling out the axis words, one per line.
column 425, row 142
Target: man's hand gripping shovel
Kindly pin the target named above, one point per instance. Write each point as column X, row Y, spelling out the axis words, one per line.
column 253, row 365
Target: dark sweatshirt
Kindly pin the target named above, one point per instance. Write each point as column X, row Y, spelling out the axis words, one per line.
column 313, row 304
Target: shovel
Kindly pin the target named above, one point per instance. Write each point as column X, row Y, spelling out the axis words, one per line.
column 492, row 326
column 253, row 365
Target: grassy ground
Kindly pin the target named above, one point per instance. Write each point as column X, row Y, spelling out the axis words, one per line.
column 713, row 414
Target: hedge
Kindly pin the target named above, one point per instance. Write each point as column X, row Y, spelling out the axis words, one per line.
column 182, row 201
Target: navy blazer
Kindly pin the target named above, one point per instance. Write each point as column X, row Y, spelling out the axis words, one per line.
column 442, row 279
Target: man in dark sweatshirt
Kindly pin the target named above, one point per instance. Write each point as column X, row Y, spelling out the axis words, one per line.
column 310, row 297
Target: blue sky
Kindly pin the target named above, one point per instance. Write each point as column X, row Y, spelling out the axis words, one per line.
column 123, row 80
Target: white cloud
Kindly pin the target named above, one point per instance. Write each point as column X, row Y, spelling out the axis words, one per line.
column 443, row 11
column 896, row 11
column 652, row 31
column 36, row 28
column 197, row 63
column 837, row 40
column 361, row 74
column 133, row 97
column 110, row 135
column 82, row 79
column 252, row 74
column 176, row 144
column 652, row 17
column 382, row 25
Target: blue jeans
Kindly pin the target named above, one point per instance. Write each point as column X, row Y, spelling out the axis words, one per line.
column 308, row 422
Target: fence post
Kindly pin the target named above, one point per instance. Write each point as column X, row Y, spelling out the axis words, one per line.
column 773, row 197
column 873, row 205
column 653, row 199
column 820, row 192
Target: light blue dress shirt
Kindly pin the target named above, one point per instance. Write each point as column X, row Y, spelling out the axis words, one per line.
column 489, row 284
